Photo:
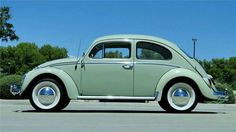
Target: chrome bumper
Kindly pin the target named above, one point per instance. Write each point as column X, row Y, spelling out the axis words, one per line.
column 15, row 89
column 222, row 96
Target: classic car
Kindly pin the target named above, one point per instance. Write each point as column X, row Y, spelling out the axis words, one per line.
column 116, row 68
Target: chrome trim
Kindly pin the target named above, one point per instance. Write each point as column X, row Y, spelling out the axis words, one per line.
column 46, row 95
column 120, row 62
column 221, row 96
column 63, row 63
column 114, row 98
column 180, row 97
column 15, row 89
column 162, row 64
column 128, row 66
column 158, row 95
column 130, row 62
column 97, row 42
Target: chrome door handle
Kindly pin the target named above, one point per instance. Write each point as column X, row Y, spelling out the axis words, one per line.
column 127, row 66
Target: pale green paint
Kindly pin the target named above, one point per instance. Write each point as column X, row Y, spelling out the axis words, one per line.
column 59, row 62
column 75, row 74
column 181, row 72
column 148, row 72
column 146, row 77
column 66, row 79
column 107, row 77
column 134, row 37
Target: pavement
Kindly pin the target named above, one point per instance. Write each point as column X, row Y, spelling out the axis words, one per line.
column 92, row 116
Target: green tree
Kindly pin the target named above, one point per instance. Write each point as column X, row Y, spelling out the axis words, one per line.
column 25, row 56
column 223, row 70
column 7, row 59
column 6, row 29
column 149, row 54
column 113, row 54
column 52, row 53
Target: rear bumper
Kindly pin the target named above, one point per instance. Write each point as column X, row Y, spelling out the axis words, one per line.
column 221, row 96
column 15, row 89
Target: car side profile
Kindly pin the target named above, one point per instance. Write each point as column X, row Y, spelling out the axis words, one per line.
column 131, row 68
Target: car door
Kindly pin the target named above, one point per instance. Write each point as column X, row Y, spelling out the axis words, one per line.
column 151, row 62
column 108, row 69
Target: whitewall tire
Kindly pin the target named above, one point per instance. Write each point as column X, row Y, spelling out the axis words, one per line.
column 179, row 97
column 48, row 95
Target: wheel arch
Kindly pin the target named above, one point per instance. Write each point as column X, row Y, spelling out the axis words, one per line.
column 181, row 74
column 63, row 78
column 189, row 81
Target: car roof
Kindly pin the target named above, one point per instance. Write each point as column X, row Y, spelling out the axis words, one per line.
column 135, row 36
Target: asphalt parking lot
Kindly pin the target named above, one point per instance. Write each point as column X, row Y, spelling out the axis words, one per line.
column 19, row 116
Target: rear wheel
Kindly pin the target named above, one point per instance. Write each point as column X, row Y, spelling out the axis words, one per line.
column 179, row 97
column 48, row 95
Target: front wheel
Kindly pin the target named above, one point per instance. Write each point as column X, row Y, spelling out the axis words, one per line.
column 48, row 95
column 179, row 97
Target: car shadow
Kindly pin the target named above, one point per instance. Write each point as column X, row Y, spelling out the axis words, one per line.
column 117, row 111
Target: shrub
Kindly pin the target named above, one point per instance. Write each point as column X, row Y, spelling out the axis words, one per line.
column 2, row 74
column 234, row 85
column 5, row 83
column 223, row 87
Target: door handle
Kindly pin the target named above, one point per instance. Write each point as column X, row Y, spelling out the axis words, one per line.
column 128, row 66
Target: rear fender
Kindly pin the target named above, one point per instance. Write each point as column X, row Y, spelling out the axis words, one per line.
column 205, row 90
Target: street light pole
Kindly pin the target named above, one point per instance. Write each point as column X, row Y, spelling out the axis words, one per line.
column 194, row 45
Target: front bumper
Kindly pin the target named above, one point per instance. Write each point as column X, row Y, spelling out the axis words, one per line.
column 15, row 89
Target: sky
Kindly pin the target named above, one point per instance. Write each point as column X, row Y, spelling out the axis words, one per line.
column 64, row 23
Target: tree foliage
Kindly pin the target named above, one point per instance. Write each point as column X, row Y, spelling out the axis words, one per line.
column 25, row 56
column 113, row 54
column 6, row 29
column 52, row 53
column 150, row 54
column 223, row 70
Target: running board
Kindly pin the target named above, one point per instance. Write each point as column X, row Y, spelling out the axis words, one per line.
column 115, row 98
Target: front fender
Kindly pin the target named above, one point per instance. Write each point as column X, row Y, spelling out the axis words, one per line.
column 70, row 85
column 181, row 72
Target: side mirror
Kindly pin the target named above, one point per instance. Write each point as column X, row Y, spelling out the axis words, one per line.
column 83, row 54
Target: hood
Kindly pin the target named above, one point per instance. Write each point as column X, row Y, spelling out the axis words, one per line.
column 59, row 62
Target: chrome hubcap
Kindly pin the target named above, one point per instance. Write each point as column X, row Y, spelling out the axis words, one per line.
column 180, row 97
column 46, row 95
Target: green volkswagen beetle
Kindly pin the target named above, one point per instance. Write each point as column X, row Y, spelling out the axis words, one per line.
column 131, row 68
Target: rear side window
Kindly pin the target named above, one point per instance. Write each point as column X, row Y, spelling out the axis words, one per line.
column 151, row 51
column 115, row 50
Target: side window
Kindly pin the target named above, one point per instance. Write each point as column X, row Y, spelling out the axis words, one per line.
column 150, row 51
column 97, row 52
column 114, row 50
